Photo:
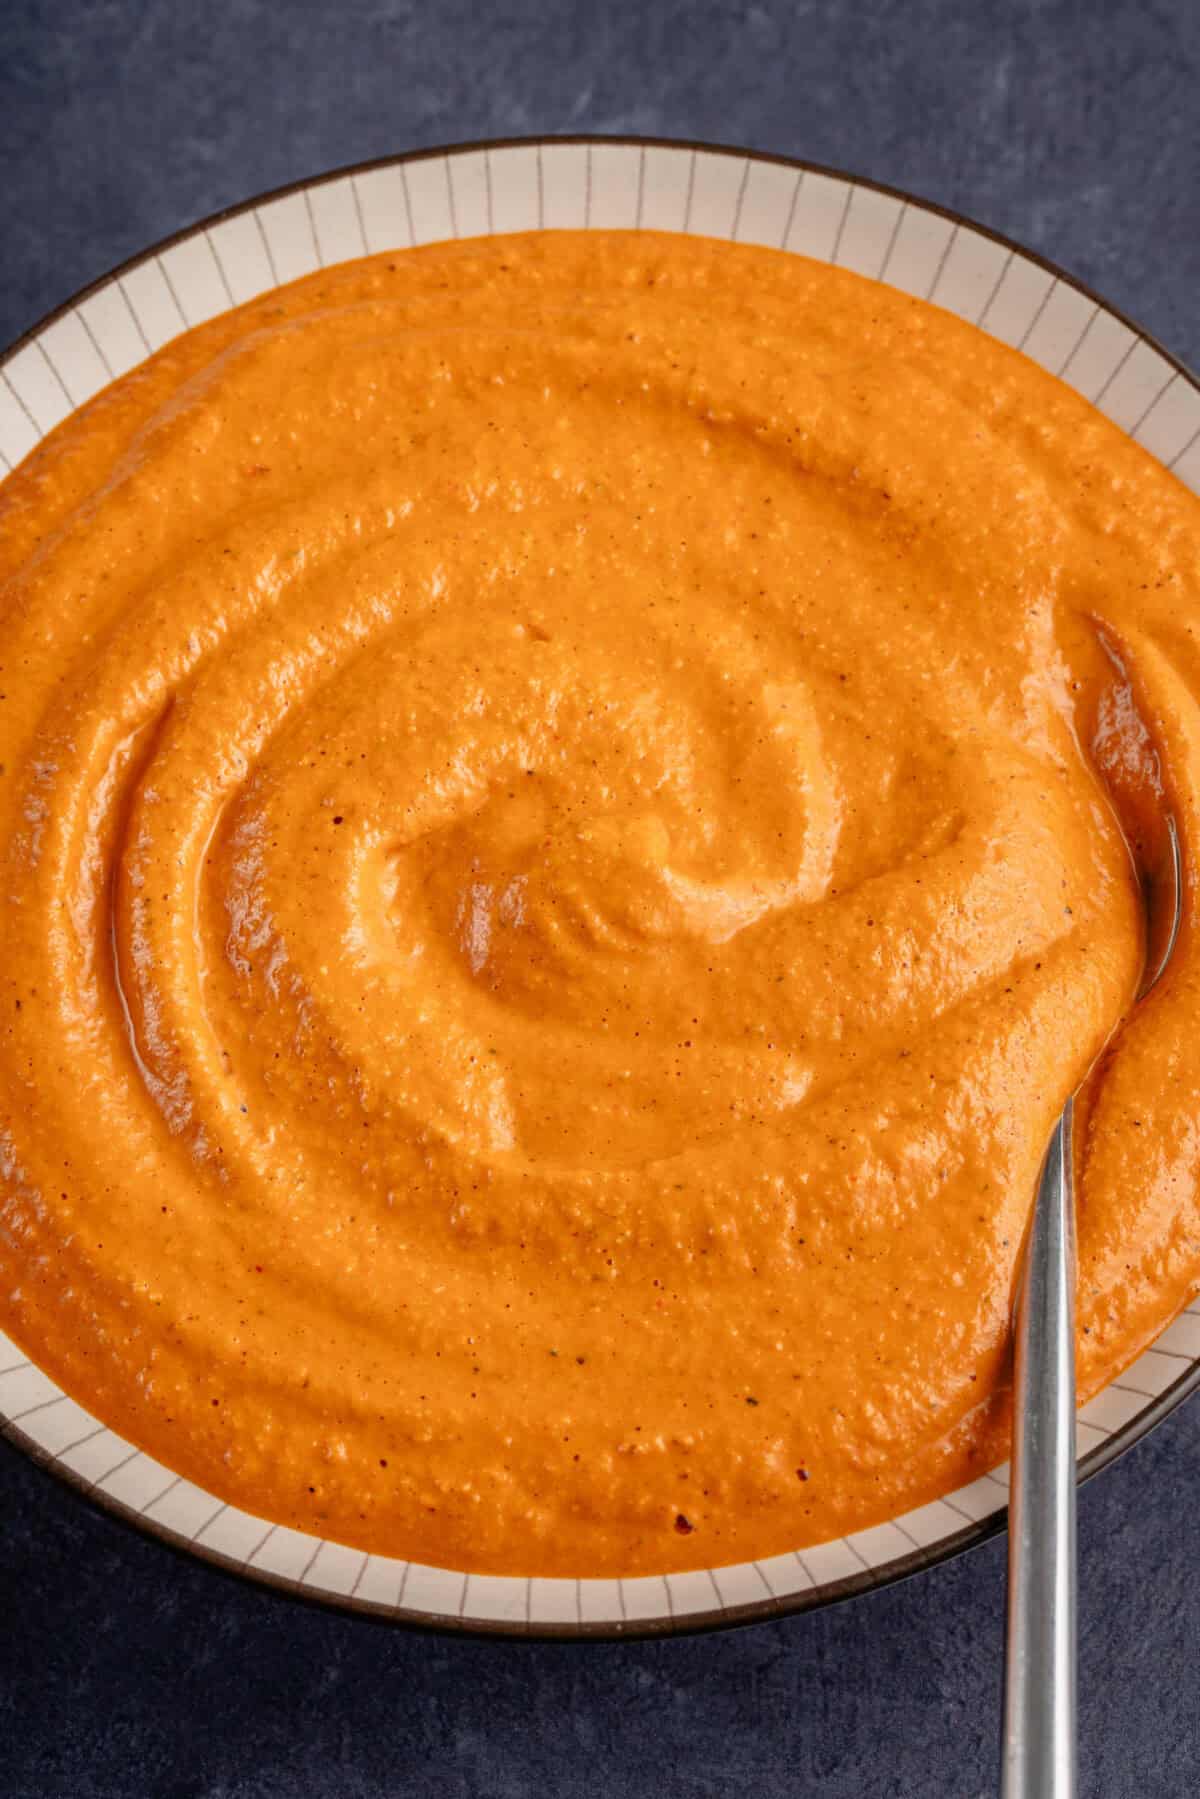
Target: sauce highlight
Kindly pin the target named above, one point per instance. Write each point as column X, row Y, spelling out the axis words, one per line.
column 555, row 880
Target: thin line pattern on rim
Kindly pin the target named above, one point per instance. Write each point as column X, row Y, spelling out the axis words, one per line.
column 1166, row 1374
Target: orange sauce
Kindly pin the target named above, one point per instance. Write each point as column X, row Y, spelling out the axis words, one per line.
column 554, row 886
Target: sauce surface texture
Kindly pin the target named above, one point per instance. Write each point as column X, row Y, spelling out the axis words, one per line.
column 554, row 884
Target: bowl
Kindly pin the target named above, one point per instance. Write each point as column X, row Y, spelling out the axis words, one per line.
column 521, row 185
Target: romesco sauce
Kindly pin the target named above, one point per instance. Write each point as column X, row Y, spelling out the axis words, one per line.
column 554, row 884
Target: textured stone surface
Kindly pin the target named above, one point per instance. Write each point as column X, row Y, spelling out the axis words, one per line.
column 126, row 1673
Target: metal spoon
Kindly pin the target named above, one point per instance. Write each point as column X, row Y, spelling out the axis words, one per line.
column 1039, row 1757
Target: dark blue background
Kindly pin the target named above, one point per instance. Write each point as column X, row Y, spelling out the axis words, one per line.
column 125, row 1671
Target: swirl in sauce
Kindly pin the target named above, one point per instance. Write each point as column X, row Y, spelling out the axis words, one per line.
column 554, row 889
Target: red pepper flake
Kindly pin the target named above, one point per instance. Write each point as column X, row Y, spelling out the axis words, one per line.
column 802, row 1474
column 683, row 1525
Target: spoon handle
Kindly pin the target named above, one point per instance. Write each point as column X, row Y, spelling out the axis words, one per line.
column 1039, row 1692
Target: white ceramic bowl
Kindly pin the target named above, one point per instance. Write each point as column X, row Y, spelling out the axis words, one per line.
column 539, row 185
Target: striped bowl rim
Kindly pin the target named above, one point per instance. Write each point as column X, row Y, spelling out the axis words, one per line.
column 496, row 185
